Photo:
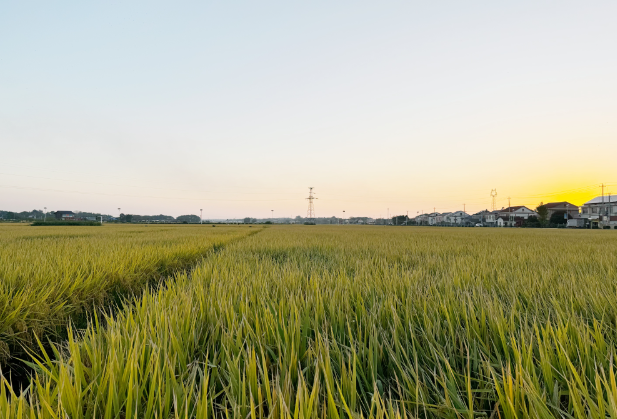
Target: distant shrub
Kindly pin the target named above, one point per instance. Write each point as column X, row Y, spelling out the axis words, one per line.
column 65, row 223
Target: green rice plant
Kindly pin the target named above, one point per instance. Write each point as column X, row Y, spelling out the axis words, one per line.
column 354, row 322
column 51, row 276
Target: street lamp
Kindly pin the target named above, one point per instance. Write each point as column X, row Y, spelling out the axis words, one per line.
column 343, row 216
column 201, row 215
column 119, row 214
column 272, row 217
column 45, row 216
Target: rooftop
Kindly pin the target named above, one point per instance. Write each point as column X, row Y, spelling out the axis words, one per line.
column 512, row 209
column 559, row 204
column 600, row 199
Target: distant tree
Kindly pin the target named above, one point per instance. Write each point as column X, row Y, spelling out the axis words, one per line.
column 399, row 220
column 542, row 213
column 128, row 218
column 10, row 216
column 268, row 222
column 532, row 221
column 558, row 217
column 247, row 220
column 188, row 219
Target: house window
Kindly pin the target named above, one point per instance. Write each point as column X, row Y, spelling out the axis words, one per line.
column 615, row 209
column 585, row 210
column 594, row 210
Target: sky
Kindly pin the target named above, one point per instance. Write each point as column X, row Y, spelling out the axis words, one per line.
column 238, row 107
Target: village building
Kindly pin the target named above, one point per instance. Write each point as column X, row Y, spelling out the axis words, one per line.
column 422, row 219
column 486, row 217
column 64, row 215
column 457, row 217
column 601, row 212
column 442, row 218
column 517, row 211
column 432, row 218
column 561, row 207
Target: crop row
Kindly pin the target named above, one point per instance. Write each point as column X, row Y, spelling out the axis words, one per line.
column 51, row 275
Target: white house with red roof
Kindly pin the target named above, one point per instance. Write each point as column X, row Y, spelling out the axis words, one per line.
column 517, row 211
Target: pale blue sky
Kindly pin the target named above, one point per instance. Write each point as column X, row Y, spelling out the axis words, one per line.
column 238, row 107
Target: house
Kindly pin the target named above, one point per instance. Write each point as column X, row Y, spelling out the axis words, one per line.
column 517, row 211
column 486, row 217
column 561, row 207
column 422, row 219
column 509, row 220
column 64, row 215
column 432, row 218
column 601, row 212
column 457, row 217
column 442, row 218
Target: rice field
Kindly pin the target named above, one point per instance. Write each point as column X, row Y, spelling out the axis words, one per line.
column 351, row 322
column 50, row 275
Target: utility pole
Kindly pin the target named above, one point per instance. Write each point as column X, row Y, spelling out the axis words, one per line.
column 567, row 212
column 119, row 214
column 272, row 218
column 602, row 186
column 343, row 216
column 201, row 215
column 45, row 216
column 493, row 196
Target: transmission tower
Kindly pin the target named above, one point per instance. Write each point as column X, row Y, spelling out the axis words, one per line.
column 310, row 213
column 493, row 195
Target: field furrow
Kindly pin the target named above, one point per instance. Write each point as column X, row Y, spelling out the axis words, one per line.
column 50, row 276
